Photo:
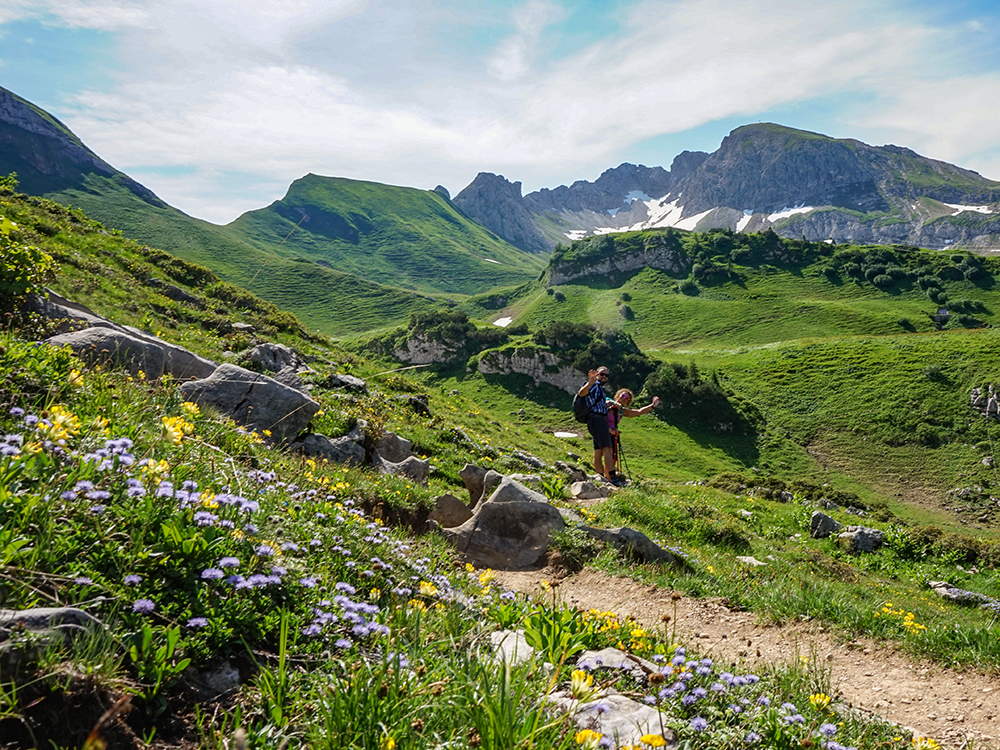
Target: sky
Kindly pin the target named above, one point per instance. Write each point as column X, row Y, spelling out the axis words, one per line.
column 218, row 105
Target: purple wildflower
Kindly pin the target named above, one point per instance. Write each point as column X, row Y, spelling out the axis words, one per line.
column 143, row 606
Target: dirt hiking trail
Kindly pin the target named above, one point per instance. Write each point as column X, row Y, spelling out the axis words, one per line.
column 958, row 709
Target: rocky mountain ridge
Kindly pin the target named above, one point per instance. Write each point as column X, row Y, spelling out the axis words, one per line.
column 766, row 176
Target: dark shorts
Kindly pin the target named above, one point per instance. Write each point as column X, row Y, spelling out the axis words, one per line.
column 597, row 426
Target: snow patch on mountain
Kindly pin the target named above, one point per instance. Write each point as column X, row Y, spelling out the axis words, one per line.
column 977, row 209
column 787, row 212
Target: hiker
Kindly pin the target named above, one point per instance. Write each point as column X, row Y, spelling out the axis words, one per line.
column 597, row 423
column 620, row 407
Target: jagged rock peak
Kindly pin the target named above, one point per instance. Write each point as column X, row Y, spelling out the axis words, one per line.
column 614, row 189
column 443, row 191
column 497, row 204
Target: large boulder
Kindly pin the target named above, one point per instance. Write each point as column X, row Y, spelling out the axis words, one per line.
column 511, row 529
column 254, row 401
column 621, row 720
column 479, row 482
column 136, row 351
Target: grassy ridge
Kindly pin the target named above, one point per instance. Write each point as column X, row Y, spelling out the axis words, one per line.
column 412, row 238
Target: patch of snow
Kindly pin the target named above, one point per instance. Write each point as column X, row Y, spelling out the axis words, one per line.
column 977, row 209
column 577, row 234
column 742, row 223
column 490, row 260
column 637, row 195
column 692, row 221
column 565, row 434
column 786, row 212
column 828, row 242
column 502, row 322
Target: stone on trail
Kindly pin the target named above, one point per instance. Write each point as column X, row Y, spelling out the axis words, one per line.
column 634, row 544
column 587, row 490
column 511, row 529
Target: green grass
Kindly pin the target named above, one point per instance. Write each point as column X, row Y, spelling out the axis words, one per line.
column 414, row 237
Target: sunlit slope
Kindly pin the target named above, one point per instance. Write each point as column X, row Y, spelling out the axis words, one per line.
column 395, row 235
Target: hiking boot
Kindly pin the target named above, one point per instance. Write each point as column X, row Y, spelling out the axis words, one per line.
column 618, row 480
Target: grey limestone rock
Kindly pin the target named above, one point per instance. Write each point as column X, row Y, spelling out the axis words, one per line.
column 449, row 511
column 276, row 357
column 254, row 401
column 587, row 490
column 821, row 525
column 613, row 658
column 861, row 539
column 634, row 544
column 511, row 529
column 347, row 382
column 394, row 448
column 619, row 718
column 23, row 633
column 342, row 450
column 572, row 473
column 413, row 468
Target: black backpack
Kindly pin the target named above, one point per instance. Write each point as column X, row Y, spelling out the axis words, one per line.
column 580, row 409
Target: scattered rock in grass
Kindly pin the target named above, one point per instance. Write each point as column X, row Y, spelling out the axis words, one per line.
column 986, row 402
column 218, row 680
column 135, row 351
column 394, row 448
column 745, row 513
column 634, row 544
column 510, row 529
column 613, row 658
column 859, row 539
column 272, row 357
column 827, row 504
column 412, row 468
column 25, row 633
column 254, row 401
column 750, row 560
column 572, row 473
column 243, row 328
column 622, row 720
column 449, row 511
column 531, row 460
column 417, row 403
column 347, row 382
column 511, row 647
column 587, row 490
column 342, row 450
column 961, row 596
column 821, row 525
column 855, row 511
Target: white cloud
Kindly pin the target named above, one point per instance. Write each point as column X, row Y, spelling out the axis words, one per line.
column 513, row 57
column 364, row 89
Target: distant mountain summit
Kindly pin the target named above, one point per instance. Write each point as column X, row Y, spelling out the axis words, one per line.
column 48, row 157
column 769, row 176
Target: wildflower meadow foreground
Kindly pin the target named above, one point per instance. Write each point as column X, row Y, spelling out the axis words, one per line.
column 246, row 595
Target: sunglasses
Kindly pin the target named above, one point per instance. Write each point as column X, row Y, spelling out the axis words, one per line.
column 604, row 375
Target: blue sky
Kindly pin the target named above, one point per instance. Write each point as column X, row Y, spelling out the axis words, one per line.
column 217, row 105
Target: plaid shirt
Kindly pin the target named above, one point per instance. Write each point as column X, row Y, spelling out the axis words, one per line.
column 596, row 399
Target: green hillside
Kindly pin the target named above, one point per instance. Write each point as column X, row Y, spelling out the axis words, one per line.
column 403, row 236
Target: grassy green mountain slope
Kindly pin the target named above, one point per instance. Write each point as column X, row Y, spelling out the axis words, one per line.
column 403, row 236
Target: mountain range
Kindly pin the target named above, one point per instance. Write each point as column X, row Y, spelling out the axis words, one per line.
column 799, row 184
column 330, row 241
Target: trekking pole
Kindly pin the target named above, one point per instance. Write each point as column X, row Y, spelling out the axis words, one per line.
column 621, row 458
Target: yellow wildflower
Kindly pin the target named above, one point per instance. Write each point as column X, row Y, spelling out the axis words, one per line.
column 191, row 409
column 427, row 588
column 653, row 740
column 819, row 701
column 588, row 738
column 581, row 685
column 387, row 743
column 75, row 379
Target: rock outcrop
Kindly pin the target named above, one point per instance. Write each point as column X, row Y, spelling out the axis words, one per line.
column 541, row 366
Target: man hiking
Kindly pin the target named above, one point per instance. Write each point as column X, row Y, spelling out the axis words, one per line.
column 597, row 423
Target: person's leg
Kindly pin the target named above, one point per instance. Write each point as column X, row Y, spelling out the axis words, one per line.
column 599, row 461
column 609, row 463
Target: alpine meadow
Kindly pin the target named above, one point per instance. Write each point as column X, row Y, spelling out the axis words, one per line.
column 312, row 479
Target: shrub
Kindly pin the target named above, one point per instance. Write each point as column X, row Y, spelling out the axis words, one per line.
column 883, row 281
column 24, row 269
column 688, row 287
